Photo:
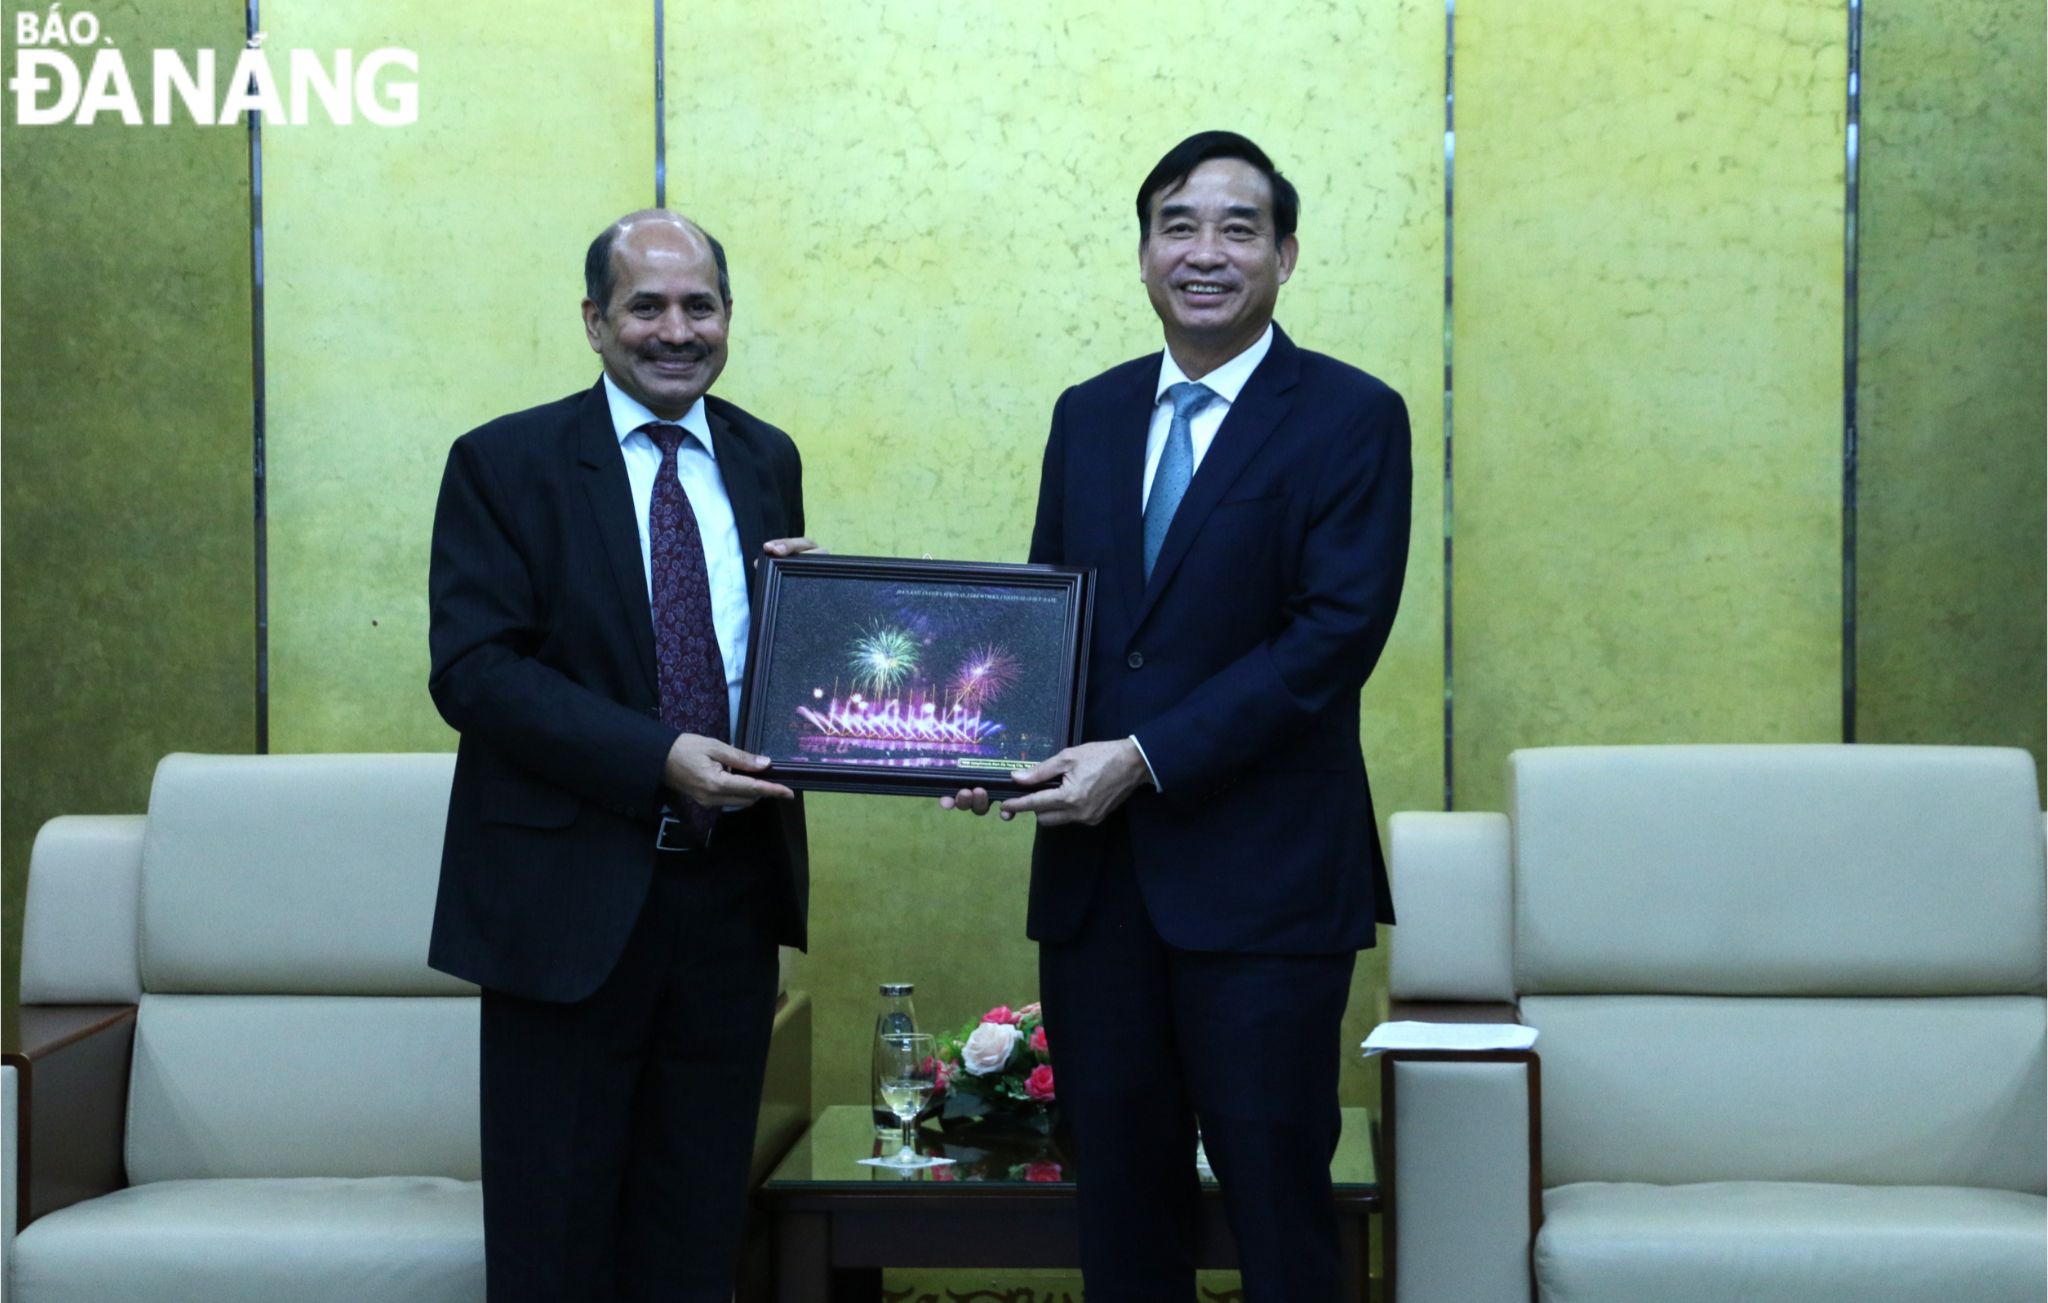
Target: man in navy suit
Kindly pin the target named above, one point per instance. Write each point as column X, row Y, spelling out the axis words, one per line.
column 1206, row 864
column 616, row 875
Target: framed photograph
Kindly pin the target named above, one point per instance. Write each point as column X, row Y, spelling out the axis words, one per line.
column 877, row 674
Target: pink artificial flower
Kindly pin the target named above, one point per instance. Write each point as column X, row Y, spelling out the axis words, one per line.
column 1038, row 1040
column 1039, row 1084
column 1029, row 1011
column 1001, row 1014
column 1042, row 1171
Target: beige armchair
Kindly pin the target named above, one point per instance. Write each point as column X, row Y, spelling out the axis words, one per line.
column 1790, row 1005
column 238, row 1080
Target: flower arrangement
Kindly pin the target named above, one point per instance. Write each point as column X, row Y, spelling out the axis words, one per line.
column 997, row 1069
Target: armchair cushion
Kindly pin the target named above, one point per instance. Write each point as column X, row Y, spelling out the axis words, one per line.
column 1698, row 1088
column 396, row 1239
column 257, row 1086
column 1780, row 870
column 1783, row 1242
column 290, row 875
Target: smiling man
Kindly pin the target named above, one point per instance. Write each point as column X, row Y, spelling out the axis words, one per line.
column 1207, row 864
column 615, row 875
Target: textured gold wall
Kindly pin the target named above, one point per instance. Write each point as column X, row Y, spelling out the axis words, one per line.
column 929, row 208
column 1647, row 333
column 423, row 280
column 127, row 586
column 1950, row 535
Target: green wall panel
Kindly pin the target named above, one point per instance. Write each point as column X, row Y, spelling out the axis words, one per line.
column 1647, row 334
column 929, row 211
column 128, row 578
column 422, row 280
column 1950, row 534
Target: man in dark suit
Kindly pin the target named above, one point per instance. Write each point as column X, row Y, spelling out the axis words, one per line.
column 1206, row 862
column 608, row 877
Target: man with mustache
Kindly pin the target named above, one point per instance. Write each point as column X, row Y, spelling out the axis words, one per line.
column 1206, row 862
column 615, row 875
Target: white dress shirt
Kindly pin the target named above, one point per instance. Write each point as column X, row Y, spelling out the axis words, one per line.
column 1226, row 382
column 697, row 468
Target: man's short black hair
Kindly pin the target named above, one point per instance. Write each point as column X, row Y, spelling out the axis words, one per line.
column 1189, row 154
column 600, row 280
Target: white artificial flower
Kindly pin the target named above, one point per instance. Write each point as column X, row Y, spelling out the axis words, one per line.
column 988, row 1049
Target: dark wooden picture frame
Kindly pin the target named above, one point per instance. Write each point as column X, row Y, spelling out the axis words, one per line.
column 913, row 678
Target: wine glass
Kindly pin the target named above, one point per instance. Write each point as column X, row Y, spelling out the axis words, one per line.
column 908, row 1069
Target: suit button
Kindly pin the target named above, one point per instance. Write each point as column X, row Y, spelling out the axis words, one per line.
column 1136, row 660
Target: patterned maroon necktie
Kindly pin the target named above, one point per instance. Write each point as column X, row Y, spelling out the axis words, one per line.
column 688, row 665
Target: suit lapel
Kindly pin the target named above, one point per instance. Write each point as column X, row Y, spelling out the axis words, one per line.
column 1264, row 399
column 741, row 472
column 611, row 506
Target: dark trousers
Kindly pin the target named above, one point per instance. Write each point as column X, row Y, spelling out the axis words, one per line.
column 617, row 1130
column 1145, row 1038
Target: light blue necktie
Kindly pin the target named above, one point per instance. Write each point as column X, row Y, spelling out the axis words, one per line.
column 1176, row 467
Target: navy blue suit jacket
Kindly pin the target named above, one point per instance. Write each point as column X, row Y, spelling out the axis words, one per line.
column 1239, row 665
column 543, row 660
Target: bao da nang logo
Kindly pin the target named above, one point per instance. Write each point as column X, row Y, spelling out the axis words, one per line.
column 67, row 71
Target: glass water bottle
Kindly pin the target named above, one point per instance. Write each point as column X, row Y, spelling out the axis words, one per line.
column 896, row 1016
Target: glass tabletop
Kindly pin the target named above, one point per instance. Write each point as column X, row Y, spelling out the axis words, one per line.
column 828, row 1156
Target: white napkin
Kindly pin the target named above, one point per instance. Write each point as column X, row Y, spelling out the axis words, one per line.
column 1449, row 1036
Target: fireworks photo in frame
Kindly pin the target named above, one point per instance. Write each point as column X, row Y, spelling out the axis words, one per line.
column 885, row 675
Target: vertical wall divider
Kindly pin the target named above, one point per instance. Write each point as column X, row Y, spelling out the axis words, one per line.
column 660, row 106
column 1450, row 162
column 258, row 414
column 1852, row 163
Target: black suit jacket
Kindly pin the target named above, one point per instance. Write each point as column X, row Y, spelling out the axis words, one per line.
column 1239, row 665
column 543, row 660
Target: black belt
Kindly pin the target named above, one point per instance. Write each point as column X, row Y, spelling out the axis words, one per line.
column 674, row 835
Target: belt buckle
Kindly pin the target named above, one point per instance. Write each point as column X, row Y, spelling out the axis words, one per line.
column 673, row 835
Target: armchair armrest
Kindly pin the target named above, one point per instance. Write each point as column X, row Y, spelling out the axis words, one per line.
column 78, row 929
column 1453, row 889
column 70, row 1106
column 1461, row 1164
column 785, row 1112
column 10, row 1171
column 786, row 1090
column 1463, row 1172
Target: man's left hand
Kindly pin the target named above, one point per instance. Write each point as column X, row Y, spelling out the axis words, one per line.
column 1093, row 780
column 789, row 547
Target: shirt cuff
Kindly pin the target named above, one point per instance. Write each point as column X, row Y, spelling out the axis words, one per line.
column 1150, row 772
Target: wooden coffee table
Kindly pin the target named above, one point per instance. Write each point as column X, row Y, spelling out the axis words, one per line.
column 1006, row 1204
